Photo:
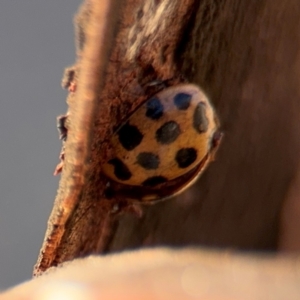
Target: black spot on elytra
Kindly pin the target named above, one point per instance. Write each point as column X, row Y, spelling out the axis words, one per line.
column 200, row 121
column 154, row 109
column 155, row 180
column 168, row 132
column 185, row 157
column 121, row 171
column 129, row 136
column 148, row 160
column 182, row 101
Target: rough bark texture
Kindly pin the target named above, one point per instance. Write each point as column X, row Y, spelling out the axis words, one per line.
column 72, row 218
column 245, row 55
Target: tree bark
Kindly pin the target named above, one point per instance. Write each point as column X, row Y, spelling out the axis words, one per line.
column 245, row 55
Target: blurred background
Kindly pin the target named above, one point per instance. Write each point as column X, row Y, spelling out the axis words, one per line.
column 37, row 43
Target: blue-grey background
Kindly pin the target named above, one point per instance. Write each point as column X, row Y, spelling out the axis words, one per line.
column 36, row 43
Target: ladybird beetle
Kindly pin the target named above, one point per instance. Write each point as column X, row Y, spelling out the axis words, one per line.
column 164, row 145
